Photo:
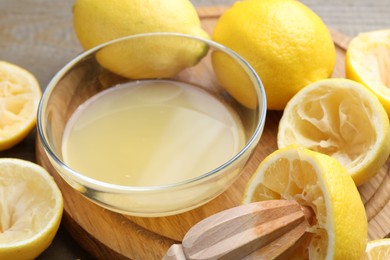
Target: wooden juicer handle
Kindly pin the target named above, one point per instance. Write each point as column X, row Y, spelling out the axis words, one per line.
column 267, row 229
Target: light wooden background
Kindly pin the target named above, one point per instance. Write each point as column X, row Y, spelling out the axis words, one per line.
column 35, row 33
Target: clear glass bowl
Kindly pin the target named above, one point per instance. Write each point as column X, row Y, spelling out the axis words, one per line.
column 84, row 77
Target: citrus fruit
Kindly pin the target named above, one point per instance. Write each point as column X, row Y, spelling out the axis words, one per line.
column 98, row 21
column 30, row 209
column 20, row 94
column 286, row 43
column 340, row 118
column 319, row 181
column 378, row 249
column 368, row 62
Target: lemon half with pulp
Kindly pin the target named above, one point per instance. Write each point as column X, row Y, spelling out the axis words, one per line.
column 19, row 98
column 319, row 181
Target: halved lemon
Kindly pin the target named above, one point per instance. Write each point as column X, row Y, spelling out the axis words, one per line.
column 368, row 61
column 378, row 249
column 19, row 97
column 319, row 181
column 31, row 207
column 340, row 118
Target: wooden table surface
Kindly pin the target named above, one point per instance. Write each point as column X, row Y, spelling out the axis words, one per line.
column 35, row 33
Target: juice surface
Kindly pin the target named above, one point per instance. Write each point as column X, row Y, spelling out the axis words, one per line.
column 151, row 133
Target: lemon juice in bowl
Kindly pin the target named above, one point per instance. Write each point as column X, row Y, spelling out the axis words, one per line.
column 153, row 132
column 154, row 135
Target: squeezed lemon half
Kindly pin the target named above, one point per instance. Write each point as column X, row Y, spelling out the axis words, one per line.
column 19, row 97
column 340, row 118
column 31, row 207
column 319, row 181
column 368, row 61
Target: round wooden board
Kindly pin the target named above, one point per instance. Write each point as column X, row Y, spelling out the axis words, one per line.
column 109, row 235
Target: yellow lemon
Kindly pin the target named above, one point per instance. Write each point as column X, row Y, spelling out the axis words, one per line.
column 378, row 249
column 319, row 181
column 340, row 118
column 286, row 43
column 30, row 209
column 368, row 62
column 20, row 94
column 98, row 21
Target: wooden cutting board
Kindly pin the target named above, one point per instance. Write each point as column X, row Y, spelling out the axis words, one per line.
column 109, row 235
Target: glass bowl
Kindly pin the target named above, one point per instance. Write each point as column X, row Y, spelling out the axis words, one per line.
column 172, row 58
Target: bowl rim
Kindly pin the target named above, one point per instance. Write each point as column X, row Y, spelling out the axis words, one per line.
column 116, row 188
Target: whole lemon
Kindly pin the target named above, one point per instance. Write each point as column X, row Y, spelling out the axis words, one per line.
column 99, row 21
column 286, row 43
